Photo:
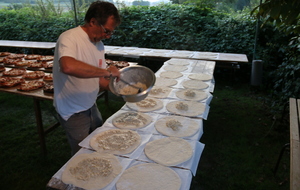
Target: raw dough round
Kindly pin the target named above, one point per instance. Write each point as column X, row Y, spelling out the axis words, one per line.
column 177, row 68
column 200, row 76
column 149, row 176
column 160, row 92
column 171, row 74
column 186, row 108
column 116, row 141
column 181, row 62
column 146, row 105
column 177, row 126
column 194, row 84
column 191, row 94
column 131, row 120
column 165, row 82
column 91, row 171
column 169, row 151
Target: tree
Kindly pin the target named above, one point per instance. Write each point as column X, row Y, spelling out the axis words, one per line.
column 240, row 4
column 284, row 13
column 224, row 5
column 141, row 3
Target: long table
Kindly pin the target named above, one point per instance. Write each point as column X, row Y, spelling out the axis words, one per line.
column 119, row 51
column 37, row 95
column 140, row 52
column 166, row 53
column 27, row 44
column 185, row 170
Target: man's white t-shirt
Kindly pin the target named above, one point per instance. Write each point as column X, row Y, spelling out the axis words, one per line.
column 73, row 94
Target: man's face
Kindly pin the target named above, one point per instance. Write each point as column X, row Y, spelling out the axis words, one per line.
column 99, row 32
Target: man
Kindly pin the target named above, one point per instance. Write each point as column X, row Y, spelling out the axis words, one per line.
column 79, row 71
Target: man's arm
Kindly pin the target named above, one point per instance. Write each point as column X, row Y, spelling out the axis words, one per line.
column 104, row 84
column 71, row 66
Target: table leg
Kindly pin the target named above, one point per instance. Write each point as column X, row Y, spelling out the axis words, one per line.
column 39, row 122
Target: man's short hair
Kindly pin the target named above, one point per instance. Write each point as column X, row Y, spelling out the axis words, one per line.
column 101, row 10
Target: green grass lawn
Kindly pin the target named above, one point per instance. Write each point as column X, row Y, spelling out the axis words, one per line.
column 243, row 140
column 241, row 135
column 23, row 166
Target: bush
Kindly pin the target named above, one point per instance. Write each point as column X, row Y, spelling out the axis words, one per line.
column 183, row 27
column 21, row 25
column 286, row 77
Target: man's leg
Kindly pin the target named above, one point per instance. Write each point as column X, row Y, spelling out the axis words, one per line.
column 96, row 118
column 80, row 125
column 77, row 127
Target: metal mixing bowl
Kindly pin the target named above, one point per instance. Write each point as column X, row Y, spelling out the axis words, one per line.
column 133, row 75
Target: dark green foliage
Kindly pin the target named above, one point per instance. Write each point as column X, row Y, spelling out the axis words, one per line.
column 286, row 77
column 284, row 13
column 185, row 28
column 284, row 68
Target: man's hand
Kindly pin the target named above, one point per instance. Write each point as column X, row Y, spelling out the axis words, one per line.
column 114, row 71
